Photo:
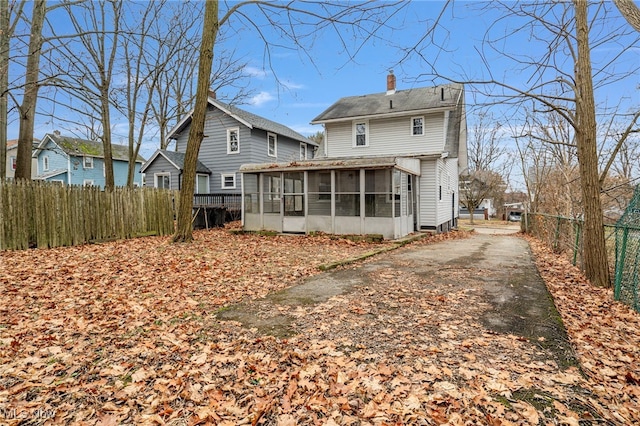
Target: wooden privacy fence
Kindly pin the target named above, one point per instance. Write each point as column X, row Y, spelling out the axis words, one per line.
column 45, row 214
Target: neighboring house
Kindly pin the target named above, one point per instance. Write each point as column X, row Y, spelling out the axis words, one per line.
column 74, row 161
column 232, row 137
column 12, row 156
column 484, row 210
column 164, row 170
column 389, row 164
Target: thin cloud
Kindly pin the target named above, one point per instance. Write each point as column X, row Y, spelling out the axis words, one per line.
column 255, row 72
column 261, row 99
column 292, row 86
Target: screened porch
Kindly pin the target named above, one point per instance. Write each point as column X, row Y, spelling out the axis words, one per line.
column 377, row 198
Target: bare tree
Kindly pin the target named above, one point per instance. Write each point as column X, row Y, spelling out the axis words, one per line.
column 87, row 63
column 7, row 29
column 485, row 178
column 295, row 22
column 146, row 52
column 196, row 131
column 560, row 79
column 27, row 108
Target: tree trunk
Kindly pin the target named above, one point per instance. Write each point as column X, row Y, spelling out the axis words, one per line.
column 196, row 132
column 109, row 183
column 630, row 12
column 595, row 255
column 4, row 83
column 27, row 110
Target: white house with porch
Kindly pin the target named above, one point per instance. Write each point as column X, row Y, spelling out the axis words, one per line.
column 389, row 165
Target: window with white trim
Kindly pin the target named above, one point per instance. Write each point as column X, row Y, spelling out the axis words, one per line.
column 303, row 151
column 13, row 162
column 360, row 133
column 87, row 182
column 88, row 163
column 233, row 141
column 272, row 145
column 417, row 126
column 228, row 180
column 162, row 180
column 45, row 163
column 202, row 184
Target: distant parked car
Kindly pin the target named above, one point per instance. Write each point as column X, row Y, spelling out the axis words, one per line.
column 514, row 217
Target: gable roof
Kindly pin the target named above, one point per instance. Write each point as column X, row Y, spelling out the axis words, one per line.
column 248, row 119
column 85, row 148
column 176, row 159
column 13, row 144
column 401, row 102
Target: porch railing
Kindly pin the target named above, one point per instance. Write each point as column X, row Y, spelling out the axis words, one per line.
column 232, row 202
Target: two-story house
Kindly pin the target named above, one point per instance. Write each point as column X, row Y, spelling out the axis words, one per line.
column 232, row 137
column 74, row 161
column 12, row 156
column 389, row 165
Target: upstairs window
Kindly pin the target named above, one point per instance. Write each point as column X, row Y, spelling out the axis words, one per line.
column 361, row 133
column 45, row 163
column 13, row 162
column 233, row 141
column 88, row 163
column 417, row 126
column 303, row 151
column 272, row 145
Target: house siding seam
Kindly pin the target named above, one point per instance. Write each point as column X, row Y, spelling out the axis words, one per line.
column 387, row 134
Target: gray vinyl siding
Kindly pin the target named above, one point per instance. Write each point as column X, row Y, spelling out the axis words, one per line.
column 388, row 136
column 428, row 193
column 161, row 165
column 449, row 182
column 252, row 148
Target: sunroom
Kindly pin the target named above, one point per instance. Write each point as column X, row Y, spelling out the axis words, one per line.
column 336, row 196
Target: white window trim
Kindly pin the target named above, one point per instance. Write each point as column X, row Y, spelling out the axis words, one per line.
column 275, row 145
column 366, row 133
column 155, row 179
column 84, row 163
column 237, row 130
column 411, row 129
column 223, row 177
column 303, row 151
column 198, row 191
column 13, row 162
column 45, row 163
column 87, row 182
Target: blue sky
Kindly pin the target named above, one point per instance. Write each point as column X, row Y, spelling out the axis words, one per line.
column 306, row 87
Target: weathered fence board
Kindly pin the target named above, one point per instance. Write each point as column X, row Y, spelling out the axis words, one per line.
column 44, row 214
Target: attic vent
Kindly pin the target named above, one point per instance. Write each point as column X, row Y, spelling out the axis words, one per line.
column 442, row 93
column 390, row 104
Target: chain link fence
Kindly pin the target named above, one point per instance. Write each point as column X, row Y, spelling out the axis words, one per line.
column 565, row 236
column 626, row 283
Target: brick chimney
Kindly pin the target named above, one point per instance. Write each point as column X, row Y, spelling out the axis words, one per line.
column 391, row 83
column 212, row 94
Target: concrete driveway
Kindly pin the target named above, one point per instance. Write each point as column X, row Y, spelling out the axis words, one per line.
column 502, row 293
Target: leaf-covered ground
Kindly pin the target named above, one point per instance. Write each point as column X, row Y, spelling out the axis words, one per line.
column 125, row 333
